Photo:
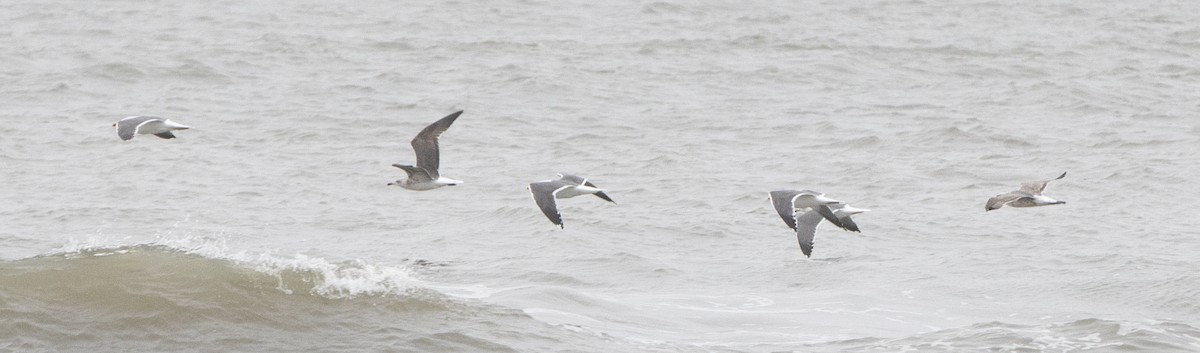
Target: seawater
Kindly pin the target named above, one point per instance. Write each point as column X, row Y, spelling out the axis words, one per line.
column 269, row 225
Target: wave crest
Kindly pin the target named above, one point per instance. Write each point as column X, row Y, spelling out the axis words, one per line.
column 296, row 274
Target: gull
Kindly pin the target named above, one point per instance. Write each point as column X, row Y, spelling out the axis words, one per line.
column 789, row 202
column 424, row 175
column 1030, row 195
column 806, row 224
column 545, row 192
column 138, row 124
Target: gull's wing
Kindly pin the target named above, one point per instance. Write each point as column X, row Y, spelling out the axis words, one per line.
column 1002, row 199
column 416, row 174
column 806, row 229
column 166, row 135
column 782, row 200
column 425, row 145
column 1036, row 187
column 841, row 211
column 578, row 180
column 543, row 194
column 128, row 127
column 827, row 212
column 599, row 194
column 848, row 224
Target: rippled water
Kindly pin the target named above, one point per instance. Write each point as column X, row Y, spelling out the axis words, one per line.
column 268, row 226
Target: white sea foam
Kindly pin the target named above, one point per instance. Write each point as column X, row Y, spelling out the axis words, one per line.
column 344, row 279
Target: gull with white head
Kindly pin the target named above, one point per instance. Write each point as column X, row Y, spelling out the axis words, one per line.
column 567, row 186
column 139, row 124
column 788, row 202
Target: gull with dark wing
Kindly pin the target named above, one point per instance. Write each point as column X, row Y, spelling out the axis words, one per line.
column 788, row 202
column 545, row 192
column 138, row 124
column 806, row 224
column 1030, row 195
column 424, row 175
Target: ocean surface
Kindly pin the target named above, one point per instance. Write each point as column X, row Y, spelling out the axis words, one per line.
column 269, row 225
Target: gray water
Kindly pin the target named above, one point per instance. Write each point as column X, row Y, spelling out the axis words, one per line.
column 269, row 225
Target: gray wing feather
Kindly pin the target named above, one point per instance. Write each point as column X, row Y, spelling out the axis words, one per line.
column 600, row 194
column 128, row 127
column 543, row 194
column 782, row 200
column 1002, row 199
column 1036, row 187
column 416, row 174
column 848, row 224
column 1023, row 202
column 604, row 196
column 806, row 230
column 827, row 212
column 425, row 145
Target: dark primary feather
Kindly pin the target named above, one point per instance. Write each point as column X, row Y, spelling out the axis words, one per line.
column 600, row 194
column 827, row 212
column 806, row 230
column 127, row 127
column 1036, row 187
column 604, row 196
column 999, row 201
column 782, row 200
column 415, row 174
column 848, row 224
column 578, row 180
column 425, row 145
column 543, row 194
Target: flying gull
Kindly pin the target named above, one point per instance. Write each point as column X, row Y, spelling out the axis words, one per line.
column 788, row 202
column 545, row 192
column 806, row 224
column 130, row 126
column 424, row 175
column 1030, row 195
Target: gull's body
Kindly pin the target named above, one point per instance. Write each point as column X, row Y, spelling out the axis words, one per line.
column 1030, row 195
column 806, row 224
column 788, row 202
column 424, row 175
column 128, row 127
column 546, row 192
